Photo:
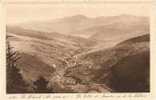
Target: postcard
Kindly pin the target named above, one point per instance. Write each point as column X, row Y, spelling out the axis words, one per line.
column 77, row 49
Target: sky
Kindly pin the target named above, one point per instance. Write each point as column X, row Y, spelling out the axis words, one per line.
column 18, row 13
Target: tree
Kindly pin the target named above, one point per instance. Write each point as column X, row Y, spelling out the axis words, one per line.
column 15, row 82
column 40, row 86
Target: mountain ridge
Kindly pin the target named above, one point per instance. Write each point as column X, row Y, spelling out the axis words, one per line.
column 74, row 25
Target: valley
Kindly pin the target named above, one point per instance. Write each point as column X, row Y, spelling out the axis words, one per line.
column 79, row 54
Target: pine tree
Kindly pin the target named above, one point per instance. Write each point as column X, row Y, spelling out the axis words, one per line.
column 15, row 82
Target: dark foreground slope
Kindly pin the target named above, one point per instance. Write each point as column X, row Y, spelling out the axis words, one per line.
column 131, row 73
column 124, row 68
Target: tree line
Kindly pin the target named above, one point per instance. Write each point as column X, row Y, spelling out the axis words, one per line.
column 14, row 79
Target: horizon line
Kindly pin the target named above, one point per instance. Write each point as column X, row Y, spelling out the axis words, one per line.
column 54, row 19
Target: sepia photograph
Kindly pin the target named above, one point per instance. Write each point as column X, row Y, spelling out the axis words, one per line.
column 80, row 48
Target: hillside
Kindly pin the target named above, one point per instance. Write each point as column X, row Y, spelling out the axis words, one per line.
column 123, row 67
column 48, row 49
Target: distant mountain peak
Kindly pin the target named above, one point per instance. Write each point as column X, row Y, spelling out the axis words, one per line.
column 78, row 17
